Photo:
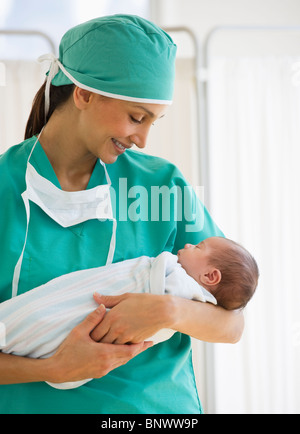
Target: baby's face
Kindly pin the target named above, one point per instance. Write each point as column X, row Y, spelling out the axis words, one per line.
column 195, row 258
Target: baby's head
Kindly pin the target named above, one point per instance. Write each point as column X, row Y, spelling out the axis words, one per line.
column 224, row 268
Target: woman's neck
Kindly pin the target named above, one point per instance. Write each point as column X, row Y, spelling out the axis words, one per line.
column 71, row 161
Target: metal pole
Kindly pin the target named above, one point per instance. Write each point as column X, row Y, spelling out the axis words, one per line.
column 30, row 33
column 201, row 157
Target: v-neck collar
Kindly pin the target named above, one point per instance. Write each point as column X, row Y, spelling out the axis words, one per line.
column 42, row 164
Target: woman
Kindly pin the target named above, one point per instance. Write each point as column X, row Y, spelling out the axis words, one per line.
column 114, row 78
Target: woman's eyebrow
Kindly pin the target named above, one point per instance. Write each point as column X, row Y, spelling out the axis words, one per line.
column 152, row 115
column 146, row 110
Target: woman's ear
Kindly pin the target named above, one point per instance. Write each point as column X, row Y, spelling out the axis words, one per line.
column 212, row 277
column 81, row 98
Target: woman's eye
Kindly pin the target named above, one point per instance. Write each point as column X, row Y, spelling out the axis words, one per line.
column 136, row 121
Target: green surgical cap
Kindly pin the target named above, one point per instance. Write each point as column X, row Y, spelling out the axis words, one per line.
column 119, row 56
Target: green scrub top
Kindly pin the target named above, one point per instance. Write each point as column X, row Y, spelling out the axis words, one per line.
column 160, row 380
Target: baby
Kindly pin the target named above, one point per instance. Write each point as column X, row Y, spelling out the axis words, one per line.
column 217, row 271
column 224, row 268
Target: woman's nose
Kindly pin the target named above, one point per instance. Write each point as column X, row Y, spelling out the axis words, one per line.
column 140, row 138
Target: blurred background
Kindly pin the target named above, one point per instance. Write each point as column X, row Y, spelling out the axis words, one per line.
column 234, row 132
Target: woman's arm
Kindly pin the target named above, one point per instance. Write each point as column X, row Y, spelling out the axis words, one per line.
column 78, row 358
column 136, row 317
column 14, row 369
column 207, row 322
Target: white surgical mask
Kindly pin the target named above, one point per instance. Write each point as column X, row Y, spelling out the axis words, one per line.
column 65, row 208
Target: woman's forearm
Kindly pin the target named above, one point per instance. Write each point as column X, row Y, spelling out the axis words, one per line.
column 14, row 369
column 206, row 322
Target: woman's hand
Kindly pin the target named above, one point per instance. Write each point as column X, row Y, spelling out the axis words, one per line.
column 80, row 357
column 136, row 317
column 133, row 318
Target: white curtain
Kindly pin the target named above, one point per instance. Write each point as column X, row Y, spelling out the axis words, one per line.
column 254, row 146
column 19, row 84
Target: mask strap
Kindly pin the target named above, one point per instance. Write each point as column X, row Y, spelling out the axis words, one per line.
column 106, row 173
column 17, row 271
column 33, row 147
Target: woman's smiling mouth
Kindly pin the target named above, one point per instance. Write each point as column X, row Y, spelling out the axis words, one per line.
column 119, row 145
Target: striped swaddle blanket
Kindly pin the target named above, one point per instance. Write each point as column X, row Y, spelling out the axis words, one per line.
column 37, row 322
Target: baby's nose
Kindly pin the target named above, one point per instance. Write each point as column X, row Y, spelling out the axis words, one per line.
column 188, row 246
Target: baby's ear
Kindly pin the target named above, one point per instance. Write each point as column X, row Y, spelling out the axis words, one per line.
column 213, row 277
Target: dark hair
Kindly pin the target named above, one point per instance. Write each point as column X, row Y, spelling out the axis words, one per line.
column 58, row 96
column 240, row 276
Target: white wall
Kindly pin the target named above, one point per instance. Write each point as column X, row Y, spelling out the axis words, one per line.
column 202, row 15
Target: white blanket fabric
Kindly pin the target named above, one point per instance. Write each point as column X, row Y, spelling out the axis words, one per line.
column 37, row 322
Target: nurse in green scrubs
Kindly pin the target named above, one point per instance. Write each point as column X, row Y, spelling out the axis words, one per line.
column 113, row 79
